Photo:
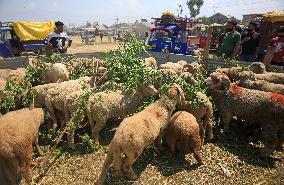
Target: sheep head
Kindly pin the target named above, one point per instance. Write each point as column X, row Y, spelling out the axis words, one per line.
column 175, row 92
column 218, row 82
column 148, row 90
column 257, row 67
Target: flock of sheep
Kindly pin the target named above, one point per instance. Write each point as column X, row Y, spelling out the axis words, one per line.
column 255, row 96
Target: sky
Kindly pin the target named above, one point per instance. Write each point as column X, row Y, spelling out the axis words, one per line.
column 78, row 12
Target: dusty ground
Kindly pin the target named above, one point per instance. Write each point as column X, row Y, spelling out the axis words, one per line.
column 228, row 160
column 79, row 47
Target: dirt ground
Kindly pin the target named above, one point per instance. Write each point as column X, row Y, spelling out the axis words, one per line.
column 229, row 159
column 79, row 47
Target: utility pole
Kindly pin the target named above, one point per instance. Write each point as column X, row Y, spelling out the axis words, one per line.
column 116, row 20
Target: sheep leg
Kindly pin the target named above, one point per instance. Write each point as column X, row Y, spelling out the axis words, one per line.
column 201, row 133
column 37, row 147
column 117, row 163
column 49, row 106
column 70, row 132
column 270, row 141
column 28, row 175
column 96, row 130
column 208, row 130
column 90, row 119
column 171, row 141
column 227, row 117
column 195, row 145
column 280, row 144
column 127, row 166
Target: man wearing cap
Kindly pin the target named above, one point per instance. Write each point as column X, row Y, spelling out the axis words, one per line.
column 250, row 43
column 57, row 39
column 231, row 41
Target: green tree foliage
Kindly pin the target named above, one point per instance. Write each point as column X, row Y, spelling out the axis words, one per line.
column 194, row 7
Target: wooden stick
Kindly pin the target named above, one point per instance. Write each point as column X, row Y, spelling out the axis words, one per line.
column 207, row 47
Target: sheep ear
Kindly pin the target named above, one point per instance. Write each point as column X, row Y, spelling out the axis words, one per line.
column 181, row 93
column 226, row 81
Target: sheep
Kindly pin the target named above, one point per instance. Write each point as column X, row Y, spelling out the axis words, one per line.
column 53, row 73
column 172, row 66
column 151, row 62
column 257, row 67
column 188, row 77
column 232, row 72
column 56, row 73
column 262, row 85
column 193, row 67
column 184, row 132
column 182, row 63
column 3, row 83
column 17, row 75
column 18, row 131
column 137, row 132
column 203, row 113
column 105, row 105
column 53, row 95
column 236, row 74
column 257, row 107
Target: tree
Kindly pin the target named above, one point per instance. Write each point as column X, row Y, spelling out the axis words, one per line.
column 204, row 20
column 194, row 7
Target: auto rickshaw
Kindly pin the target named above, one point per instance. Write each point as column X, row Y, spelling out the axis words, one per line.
column 19, row 37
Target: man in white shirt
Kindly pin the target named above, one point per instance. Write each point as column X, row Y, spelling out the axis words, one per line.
column 57, row 39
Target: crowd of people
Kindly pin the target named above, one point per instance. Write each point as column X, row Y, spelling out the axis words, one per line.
column 244, row 45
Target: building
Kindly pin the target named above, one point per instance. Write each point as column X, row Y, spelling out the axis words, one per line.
column 250, row 17
column 218, row 18
column 142, row 28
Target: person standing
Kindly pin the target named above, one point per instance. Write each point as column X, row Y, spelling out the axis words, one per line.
column 101, row 36
column 278, row 44
column 57, row 39
column 250, row 43
column 231, row 41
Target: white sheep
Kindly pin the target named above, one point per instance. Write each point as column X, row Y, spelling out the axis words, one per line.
column 151, row 62
column 172, row 66
column 18, row 131
column 105, row 105
column 3, row 83
column 53, row 95
column 56, row 73
column 137, row 132
column 17, row 75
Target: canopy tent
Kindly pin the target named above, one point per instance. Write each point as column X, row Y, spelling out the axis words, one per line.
column 27, row 31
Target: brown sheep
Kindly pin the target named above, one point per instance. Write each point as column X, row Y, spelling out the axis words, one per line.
column 262, row 85
column 16, row 76
column 203, row 113
column 18, row 131
column 137, row 132
column 184, row 133
column 257, row 107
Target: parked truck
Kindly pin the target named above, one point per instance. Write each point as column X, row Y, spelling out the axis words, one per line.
column 172, row 34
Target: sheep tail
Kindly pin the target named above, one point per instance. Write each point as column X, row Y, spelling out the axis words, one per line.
column 106, row 166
